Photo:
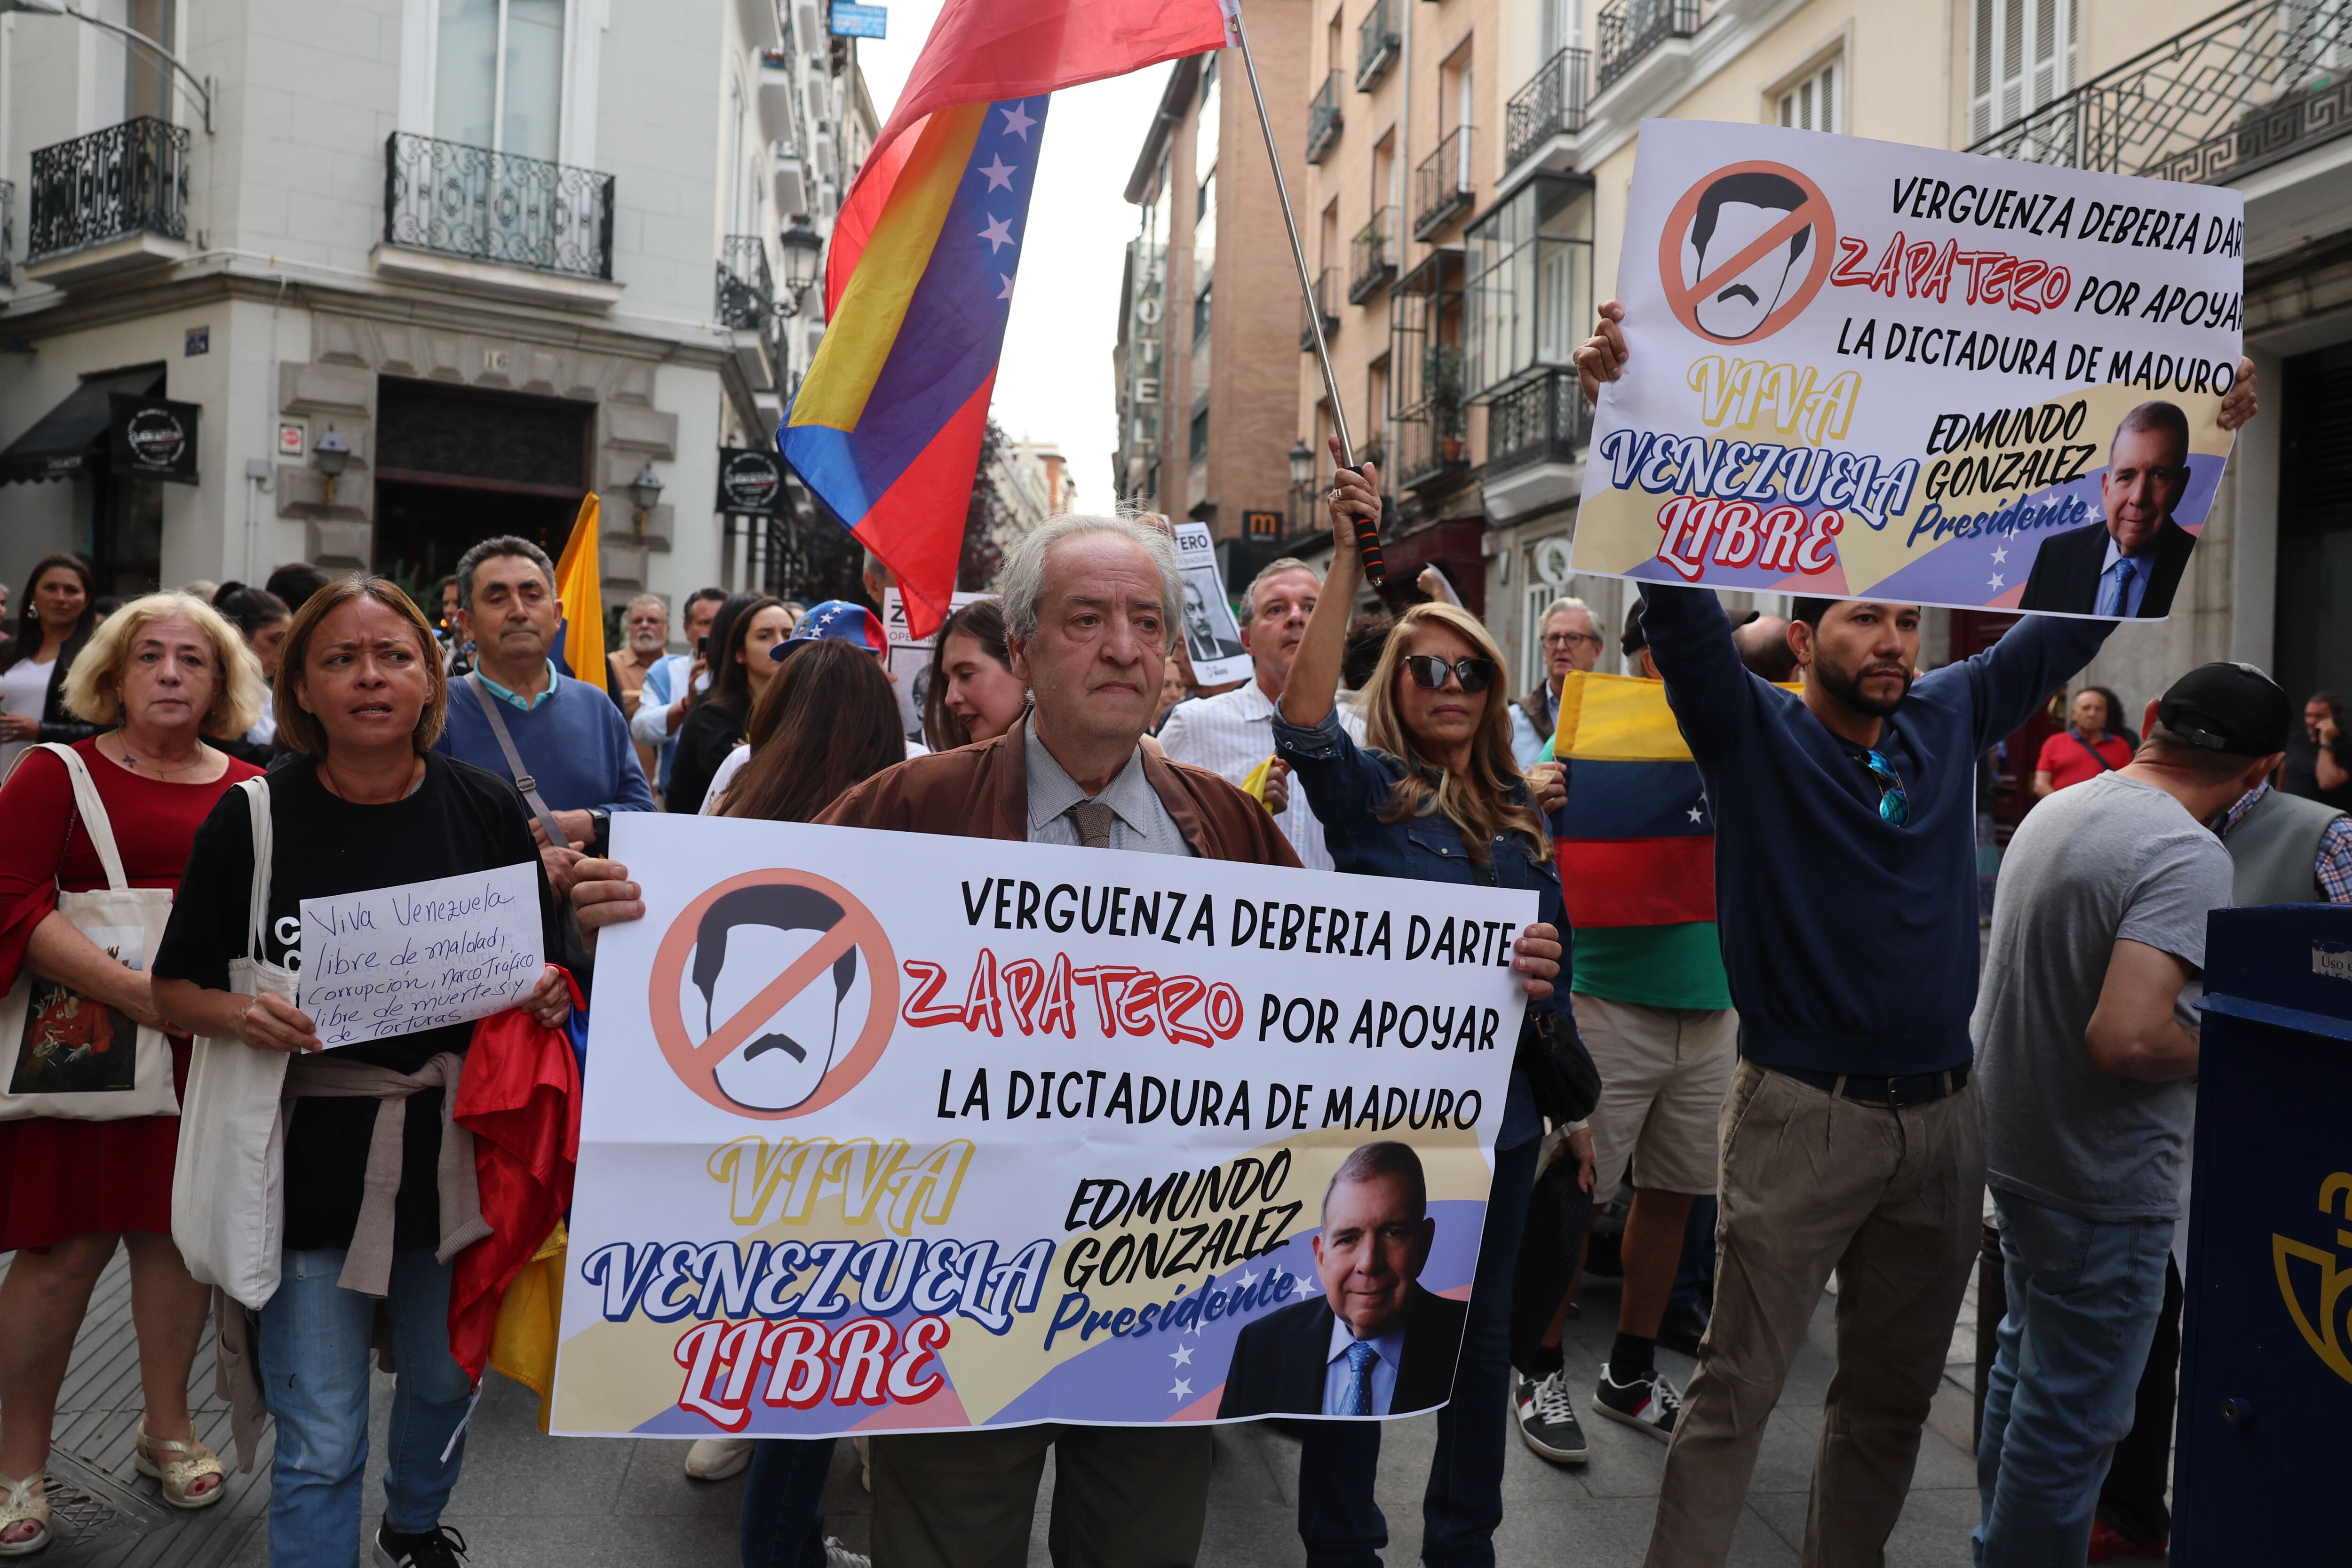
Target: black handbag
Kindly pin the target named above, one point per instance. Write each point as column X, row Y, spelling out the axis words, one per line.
column 1561, row 1074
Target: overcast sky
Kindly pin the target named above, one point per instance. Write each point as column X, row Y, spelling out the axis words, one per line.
column 1055, row 384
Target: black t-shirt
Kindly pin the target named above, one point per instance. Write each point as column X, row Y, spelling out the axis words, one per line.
column 461, row 819
column 2300, row 774
column 709, row 733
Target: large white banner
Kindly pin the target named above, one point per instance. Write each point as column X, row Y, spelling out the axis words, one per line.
column 1863, row 370
column 890, row 1131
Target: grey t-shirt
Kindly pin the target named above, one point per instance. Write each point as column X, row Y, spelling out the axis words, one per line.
column 2109, row 858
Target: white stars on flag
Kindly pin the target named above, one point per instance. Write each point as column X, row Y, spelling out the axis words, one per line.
column 1184, row 1389
column 1000, row 174
column 1995, row 582
column 1017, row 121
column 1998, row 555
column 1697, row 816
column 999, row 232
column 1181, row 1356
column 1005, row 292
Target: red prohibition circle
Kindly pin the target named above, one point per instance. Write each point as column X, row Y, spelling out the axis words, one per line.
column 1812, row 212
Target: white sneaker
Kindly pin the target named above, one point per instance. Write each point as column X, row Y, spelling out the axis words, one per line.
column 715, row 1458
column 837, row 1555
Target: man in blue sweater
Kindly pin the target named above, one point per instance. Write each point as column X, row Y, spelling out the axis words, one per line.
column 572, row 743
column 1852, row 1139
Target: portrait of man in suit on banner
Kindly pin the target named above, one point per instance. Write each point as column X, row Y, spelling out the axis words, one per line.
column 2128, row 564
column 1373, row 1342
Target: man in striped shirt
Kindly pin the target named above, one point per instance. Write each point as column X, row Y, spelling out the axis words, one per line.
column 1233, row 734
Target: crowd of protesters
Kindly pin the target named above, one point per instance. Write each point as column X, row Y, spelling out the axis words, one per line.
column 1818, row 1075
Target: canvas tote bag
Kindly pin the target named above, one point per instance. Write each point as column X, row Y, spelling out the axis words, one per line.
column 228, row 1186
column 69, row 1056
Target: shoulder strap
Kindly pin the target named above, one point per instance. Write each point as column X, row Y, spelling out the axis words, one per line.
column 93, row 813
column 523, row 780
column 256, row 800
column 2105, row 765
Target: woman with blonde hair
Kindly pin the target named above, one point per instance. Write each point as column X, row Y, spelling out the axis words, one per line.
column 366, row 803
column 1434, row 794
column 168, row 680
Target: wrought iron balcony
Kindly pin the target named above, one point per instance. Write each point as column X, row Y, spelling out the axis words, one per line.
column 1323, row 118
column 481, row 206
column 1543, row 421
column 1373, row 256
column 1326, row 305
column 1424, row 456
column 1444, row 188
column 1632, row 28
column 7, row 231
column 128, row 179
column 1377, row 44
column 746, row 292
column 1551, row 104
column 2248, row 86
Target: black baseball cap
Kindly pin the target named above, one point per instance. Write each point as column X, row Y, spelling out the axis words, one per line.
column 2233, row 708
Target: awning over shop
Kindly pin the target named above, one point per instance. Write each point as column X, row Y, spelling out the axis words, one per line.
column 68, row 439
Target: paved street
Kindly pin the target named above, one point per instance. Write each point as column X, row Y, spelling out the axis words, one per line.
column 527, row 1501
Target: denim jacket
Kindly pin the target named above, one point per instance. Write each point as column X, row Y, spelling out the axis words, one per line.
column 1347, row 784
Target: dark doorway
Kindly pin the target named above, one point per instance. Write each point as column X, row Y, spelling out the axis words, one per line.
column 2313, row 646
column 455, row 466
column 1973, row 631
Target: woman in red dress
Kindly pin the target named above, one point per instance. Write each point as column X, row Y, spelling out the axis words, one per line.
column 165, row 671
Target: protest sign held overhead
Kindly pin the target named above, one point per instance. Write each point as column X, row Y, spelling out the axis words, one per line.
column 1211, row 638
column 1860, row 370
column 907, row 1132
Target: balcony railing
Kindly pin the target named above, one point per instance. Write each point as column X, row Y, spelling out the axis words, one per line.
column 1373, row 256
column 2246, row 86
column 128, row 179
column 470, row 202
column 1325, row 304
column 1632, row 28
column 747, row 292
column 1544, row 421
column 1323, row 118
column 1424, row 456
column 7, row 231
column 1551, row 104
column 1378, row 43
column 1444, row 188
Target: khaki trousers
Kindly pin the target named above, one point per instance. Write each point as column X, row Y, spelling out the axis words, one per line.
column 1123, row 1496
column 1892, row 1200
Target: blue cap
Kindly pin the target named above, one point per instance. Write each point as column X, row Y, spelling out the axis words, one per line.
column 839, row 620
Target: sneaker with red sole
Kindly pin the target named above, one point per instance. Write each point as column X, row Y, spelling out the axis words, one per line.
column 2107, row 1543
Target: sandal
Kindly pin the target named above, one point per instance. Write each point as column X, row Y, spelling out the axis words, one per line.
column 179, row 1466
column 20, row 1504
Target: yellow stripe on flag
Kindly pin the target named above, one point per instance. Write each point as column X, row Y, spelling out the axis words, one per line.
column 580, row 583
column 849, row 358
column 1617, row 719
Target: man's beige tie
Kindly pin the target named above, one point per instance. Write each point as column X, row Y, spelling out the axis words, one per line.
column 1093, row 818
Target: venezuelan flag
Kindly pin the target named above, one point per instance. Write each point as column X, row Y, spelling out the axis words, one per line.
column 1637, row 845
column 580, row 586
column 886, row 425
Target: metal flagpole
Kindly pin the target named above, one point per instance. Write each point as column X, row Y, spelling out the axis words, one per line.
column 1368, row 533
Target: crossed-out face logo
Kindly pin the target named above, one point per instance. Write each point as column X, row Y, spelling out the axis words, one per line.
column 1744, row 250
column 773, row 993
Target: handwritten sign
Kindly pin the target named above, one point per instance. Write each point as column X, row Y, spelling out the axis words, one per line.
column 393, row 961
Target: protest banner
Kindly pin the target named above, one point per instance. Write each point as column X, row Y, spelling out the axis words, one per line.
column 1862, row 370
column 391, row 961
column 896, row 1131
column 909, row 662
column 1211, row 638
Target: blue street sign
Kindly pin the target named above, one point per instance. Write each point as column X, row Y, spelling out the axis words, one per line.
column 852, row 21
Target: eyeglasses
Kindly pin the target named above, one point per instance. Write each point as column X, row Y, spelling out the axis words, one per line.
column 1568, row 639
column 1429, row 671
column 1894, row 805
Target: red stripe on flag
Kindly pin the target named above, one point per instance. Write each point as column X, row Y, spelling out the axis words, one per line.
column 916, row 525
column 1637, row 881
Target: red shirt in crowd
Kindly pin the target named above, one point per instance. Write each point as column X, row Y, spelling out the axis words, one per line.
column 2067, row 758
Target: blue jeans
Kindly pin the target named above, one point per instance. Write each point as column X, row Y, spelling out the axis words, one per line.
column 2084, row 1298
column 779, row 1526
column 1337, row 1518
column 314, row 1376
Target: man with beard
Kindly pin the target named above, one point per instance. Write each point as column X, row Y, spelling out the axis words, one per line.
column 1231, row 734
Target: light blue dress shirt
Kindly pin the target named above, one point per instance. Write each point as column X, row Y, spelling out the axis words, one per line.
column 2116, row 597
column 1339, row 1380
column 1140, row 820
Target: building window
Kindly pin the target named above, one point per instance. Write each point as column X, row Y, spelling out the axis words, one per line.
column 498, row 75
column 1200, row 448
column 1813, row 104
column 146, row 81
column 2023, row 56
column 1200, row 315
column 1530, row 283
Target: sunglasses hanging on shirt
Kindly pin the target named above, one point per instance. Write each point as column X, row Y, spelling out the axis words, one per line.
column 1894, row 805
column 1429, row 671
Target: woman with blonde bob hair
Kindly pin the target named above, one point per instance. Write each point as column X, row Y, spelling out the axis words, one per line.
column 1434, row 795
column 364, row 804
column 157, row 677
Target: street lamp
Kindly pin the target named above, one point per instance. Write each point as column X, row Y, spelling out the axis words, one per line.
column 1302, row 466
column 332, row 454
column 646, row 490
column 801, row 246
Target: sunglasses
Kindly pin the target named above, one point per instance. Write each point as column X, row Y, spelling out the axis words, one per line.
column 1429, row 671
column 1894, row 805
